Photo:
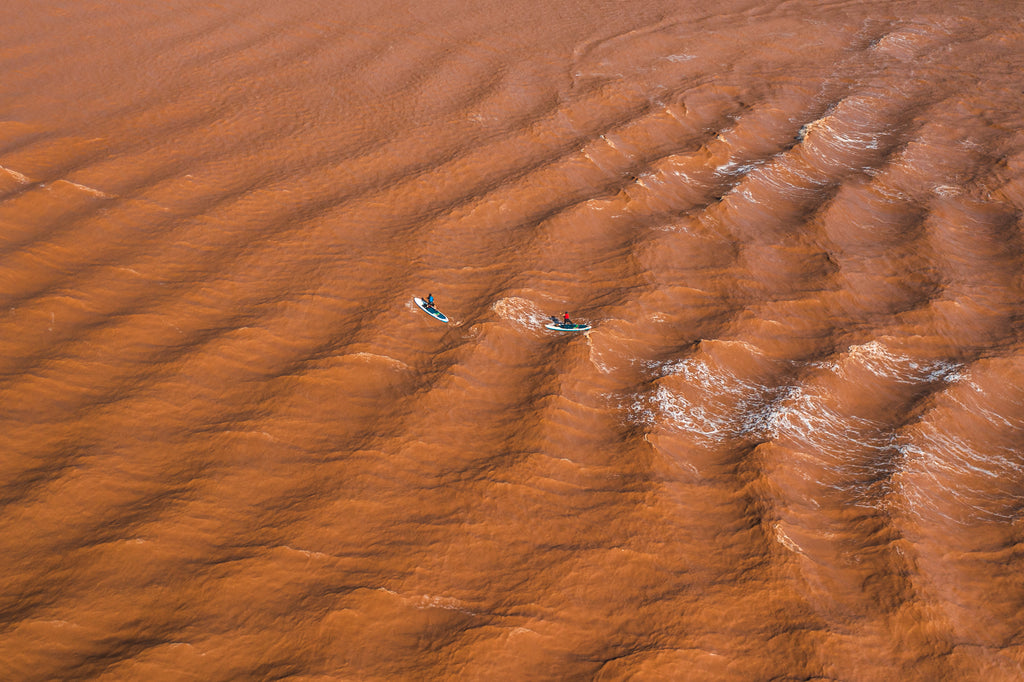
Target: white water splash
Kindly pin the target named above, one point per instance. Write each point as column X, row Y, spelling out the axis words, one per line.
column 521, row 312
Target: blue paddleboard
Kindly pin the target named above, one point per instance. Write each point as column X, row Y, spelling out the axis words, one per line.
column 557, row 326
column 430, row 310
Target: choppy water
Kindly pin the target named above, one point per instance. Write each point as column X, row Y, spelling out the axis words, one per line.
column 231, row 447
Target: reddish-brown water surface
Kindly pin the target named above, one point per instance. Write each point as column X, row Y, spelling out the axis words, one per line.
column 792, row 446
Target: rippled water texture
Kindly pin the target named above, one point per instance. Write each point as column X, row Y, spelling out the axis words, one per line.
column 792, row 446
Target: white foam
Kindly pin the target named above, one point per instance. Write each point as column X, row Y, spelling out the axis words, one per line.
column 882, row 362
column 785, row 540
column 595, row 360
column 23, row 179
column 521, row 312
column 430, row 601
column 373, row 357
column 718, row 405
column 85, row 188
column 734, row 168
column 806, row 418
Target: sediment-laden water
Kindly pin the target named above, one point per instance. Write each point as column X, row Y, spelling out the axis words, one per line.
column 791, row 447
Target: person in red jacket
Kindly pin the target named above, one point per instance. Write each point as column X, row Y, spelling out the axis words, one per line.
column 566, row 322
